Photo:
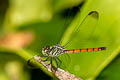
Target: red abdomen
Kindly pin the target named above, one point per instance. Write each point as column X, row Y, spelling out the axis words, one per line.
column 84, row 50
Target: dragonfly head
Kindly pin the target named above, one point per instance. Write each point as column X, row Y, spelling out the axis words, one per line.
column 45, row 50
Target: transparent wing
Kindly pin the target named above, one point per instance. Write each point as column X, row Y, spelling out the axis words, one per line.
column 65, row 58
column 81, row 34
column 82, row 29
column 68, row 15
column 62, row 61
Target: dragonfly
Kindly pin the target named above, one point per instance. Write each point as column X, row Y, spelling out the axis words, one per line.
column 52, row 53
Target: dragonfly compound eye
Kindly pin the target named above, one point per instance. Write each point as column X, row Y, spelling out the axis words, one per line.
column 45, row 50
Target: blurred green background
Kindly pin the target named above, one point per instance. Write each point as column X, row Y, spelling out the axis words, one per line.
column 28, row 25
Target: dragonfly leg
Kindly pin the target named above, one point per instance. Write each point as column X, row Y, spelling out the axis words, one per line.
column 43, row 56
column 59, row 60
column 47, row 59
column 56, row 63
column 50, row 61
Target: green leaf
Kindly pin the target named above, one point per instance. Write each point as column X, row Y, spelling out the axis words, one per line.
column 10, row 65
column 112, row 71
column 96, row 25
column 101, row 31
column 27, row 12
column 64, row 4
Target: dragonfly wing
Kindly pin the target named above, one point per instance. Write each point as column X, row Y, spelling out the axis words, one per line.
column 81, row 29
column 64, row 60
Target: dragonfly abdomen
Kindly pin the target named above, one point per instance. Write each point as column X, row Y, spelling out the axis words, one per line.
column 84, row 50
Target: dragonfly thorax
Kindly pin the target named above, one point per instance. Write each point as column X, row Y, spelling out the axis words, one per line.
column 53, row 51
